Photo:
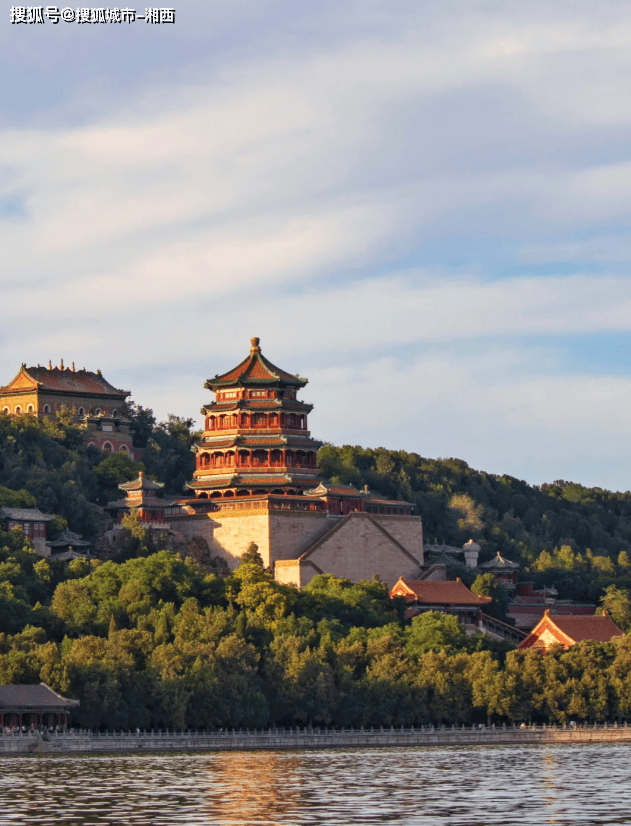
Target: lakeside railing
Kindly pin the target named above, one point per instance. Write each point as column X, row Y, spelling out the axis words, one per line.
column 297, row 732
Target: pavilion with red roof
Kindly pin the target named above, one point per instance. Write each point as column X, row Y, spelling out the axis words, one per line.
column 567, row 631
column 447, row 596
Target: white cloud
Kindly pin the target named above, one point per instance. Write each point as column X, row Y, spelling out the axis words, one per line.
column 277, row 194
column 497, row 410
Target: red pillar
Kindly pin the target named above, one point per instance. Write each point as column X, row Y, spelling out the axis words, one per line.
column 20, row 723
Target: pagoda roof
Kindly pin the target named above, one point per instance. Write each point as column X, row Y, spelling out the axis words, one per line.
column 210, row 444
column 499, row 563
column 435, row 592
column 377, row 500
column 139, row 504
column 292, row 405
column 255, row 370
column 68, row 539
column 328, row 489
column 71, row 554
column 26, row 515
column 141, row 483
column 280, row 440
column 242, row 479
column 212, row 482
column 575, row 628
column 265, row 480
column 64, row 380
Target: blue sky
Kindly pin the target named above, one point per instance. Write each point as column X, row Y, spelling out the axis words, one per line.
column 423, row 207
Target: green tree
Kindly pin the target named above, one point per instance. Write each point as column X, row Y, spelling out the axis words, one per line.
column 252, row 556
column 433, row 631
column 617, row 603
column 486, row 585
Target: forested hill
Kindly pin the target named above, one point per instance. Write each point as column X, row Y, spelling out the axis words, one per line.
column 156, row 639
column 564, row 534
column 46, row 464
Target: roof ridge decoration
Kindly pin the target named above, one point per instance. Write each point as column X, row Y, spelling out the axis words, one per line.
column 255, row 369
column 141, row 484
column 68, row 537
column 65, row 379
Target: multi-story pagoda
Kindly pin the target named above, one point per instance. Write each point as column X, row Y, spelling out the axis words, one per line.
column 142, row 497
column 256, row 439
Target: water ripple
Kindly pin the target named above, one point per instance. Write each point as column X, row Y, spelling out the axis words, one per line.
column 581, row 785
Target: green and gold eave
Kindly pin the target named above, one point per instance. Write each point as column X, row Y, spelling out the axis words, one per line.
column 271, row 442
column 255, row 371
column 258, row 405
column 251, row 480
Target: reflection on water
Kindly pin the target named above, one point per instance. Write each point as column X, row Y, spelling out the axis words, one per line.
column 476, row 786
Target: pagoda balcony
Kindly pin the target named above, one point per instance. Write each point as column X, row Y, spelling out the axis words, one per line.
column 272, row 430
column 269, row 502
column 272, row 467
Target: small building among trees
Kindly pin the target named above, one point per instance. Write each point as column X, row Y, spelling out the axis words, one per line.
column 453, row 597
column 32, row 521
column 69, row 545
column 142, row 498
column 567, row 631
column 503, row 570
column 33, row 706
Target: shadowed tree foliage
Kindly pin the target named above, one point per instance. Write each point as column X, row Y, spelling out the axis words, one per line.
column 158, row 641
column 563, row 534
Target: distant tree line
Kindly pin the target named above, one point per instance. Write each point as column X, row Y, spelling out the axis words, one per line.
column 577, row 538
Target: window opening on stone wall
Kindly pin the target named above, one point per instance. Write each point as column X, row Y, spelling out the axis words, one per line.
column 18, row 409
column 46, row 408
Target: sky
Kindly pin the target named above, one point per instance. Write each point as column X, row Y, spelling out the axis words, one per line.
column 423, row 207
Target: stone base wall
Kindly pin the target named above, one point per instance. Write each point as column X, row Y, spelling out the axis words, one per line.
column 356, row 551
column 408, row 530
column 296, row 572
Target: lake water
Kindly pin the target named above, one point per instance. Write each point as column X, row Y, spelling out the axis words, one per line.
column 475, row 786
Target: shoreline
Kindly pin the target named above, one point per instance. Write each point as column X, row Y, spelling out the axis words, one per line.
column 277, row 739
